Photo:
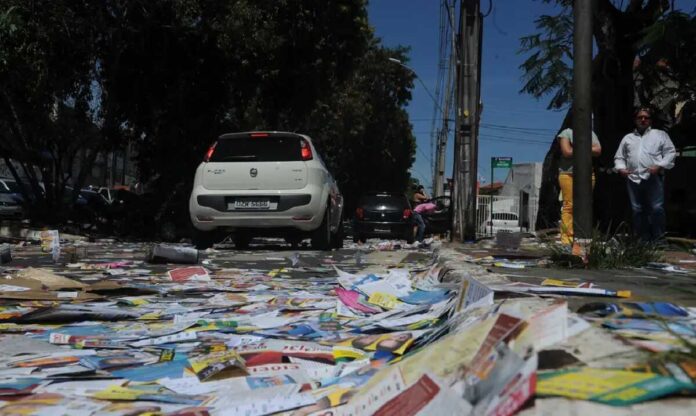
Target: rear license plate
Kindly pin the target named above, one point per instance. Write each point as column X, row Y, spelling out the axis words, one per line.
column 256, row 204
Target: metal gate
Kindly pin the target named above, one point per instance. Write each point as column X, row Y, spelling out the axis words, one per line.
column 507, row 213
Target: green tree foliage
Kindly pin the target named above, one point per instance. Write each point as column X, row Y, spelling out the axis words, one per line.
column 47, row 67
column 668, row 55
column 363, row 127
column 625, row 33
column 548, row 68
column 168, row 76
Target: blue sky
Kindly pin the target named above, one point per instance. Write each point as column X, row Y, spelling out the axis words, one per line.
column 416, row 23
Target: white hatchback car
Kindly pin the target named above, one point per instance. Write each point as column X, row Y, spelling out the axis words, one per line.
column 265, row 183
column 503, row 221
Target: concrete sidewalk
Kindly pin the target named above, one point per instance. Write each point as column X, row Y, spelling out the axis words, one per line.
column 645, row 284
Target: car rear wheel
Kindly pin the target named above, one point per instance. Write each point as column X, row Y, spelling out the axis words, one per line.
column 359, row 238
column 409, row 237
column 241, row 240
column 167, row 232
column 321, row 237
column 337, row 239
column 204, row 239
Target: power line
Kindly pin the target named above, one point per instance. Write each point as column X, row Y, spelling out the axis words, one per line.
column 425, row 178
column 490, row 7
column 513, row 141
column 508, row 139
column 520, row 112
column 517, row 133
column 517, row 139
column 502, row 126
column 430, row 160
column 513, row 138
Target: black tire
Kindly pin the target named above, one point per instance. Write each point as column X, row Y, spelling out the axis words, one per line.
column 167, row 232
column 241, row 241
column 321, row 237
column 409, row 237
column 338, row 237
column 203, row 239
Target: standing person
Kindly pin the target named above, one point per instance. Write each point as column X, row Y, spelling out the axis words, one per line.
column 419, row 197
column 565, row 180
column 642, row 158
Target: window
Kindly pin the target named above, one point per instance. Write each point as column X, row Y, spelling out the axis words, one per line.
column 391, row 201
column 258, row 149
column 11, row 186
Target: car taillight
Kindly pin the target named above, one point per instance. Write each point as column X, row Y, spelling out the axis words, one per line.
column 210, row 152
column 259, row 135
column 407, row 213
column 305, row 150
column 359, row 213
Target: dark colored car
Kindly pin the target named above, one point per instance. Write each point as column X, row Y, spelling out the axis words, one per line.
column 9, row 207
column 89, row 209
column 148, row 216
column 383, row 215
column 10, row 187
column 439, row 221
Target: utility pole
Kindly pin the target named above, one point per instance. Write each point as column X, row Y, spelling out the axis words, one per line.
column 439, row 171
column 448, row 42
column 439, row 182
column 467, row 116
column 582, row 122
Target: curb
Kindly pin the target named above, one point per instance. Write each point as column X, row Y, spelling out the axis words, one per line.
column 457, row 267
column 21, row 232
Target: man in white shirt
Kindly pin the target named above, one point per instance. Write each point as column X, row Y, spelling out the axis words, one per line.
column 642, row 158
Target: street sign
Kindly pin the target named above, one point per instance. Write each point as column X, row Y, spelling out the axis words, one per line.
column 498, row 162
column 501, row 162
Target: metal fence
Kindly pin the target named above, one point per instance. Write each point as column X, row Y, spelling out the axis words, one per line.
column 524, row 209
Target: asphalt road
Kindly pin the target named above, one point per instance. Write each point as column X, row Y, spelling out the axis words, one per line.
column 275, row 255
column 264, row 255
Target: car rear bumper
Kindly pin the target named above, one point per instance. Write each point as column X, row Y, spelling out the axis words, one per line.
column 11, row 212
column 382, row 229
column 294, row 209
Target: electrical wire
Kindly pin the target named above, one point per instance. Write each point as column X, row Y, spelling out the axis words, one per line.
column 489, row 137
column 495, row 126
column 490, row 7
column 427, row 158
column 502, row 126
column 515, row 140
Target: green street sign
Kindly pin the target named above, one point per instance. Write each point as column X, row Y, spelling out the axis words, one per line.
column 501, row 162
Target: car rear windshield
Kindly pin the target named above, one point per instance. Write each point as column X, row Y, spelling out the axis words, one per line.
column 11, row 186
column 391, row 201
column 258, row 149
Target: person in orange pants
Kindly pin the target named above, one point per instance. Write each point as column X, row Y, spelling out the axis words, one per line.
column 565, row 180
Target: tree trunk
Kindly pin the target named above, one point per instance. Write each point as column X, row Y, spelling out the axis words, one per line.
column 616, row 34
column 549, row 206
